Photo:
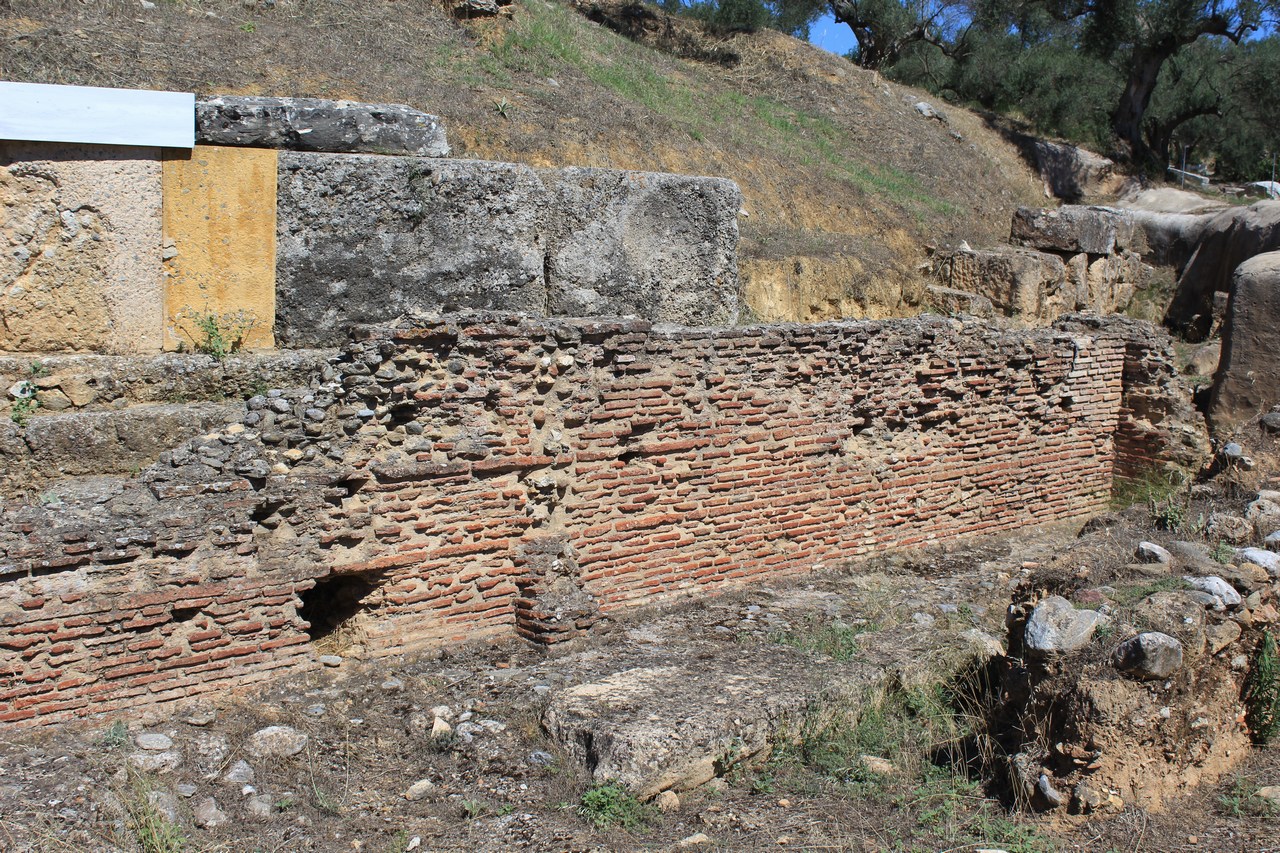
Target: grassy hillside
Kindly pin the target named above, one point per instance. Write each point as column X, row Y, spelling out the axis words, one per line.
column 845, row 182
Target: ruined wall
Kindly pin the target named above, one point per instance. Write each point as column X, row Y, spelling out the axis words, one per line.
column 455, row 479
column 1158, row 429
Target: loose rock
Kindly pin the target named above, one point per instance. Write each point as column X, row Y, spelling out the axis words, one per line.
column 1151, row 654
column 153, row 742
column 1150, row 552
column 207, row 814
column 419, row 790
column 1216, row 587
column 276, row 741
column 1055, row 626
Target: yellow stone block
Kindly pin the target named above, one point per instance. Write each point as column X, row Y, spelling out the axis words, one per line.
column 220, row 231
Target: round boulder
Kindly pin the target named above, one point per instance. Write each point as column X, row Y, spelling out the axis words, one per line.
column 1056, row 627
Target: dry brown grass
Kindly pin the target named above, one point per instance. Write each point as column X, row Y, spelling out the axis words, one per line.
column 820, row 148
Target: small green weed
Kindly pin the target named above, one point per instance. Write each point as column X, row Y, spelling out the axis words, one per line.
column 115, row 737
column 1128, row 594
column 1223, row 553
column 151, row 829
column 218, row 335
column 23, row 409
column 610, row 804
column 248, row 27
column 503, row 108
column 475, row 809
column 1243, row 801
column 1262, row 692
column 836, row 640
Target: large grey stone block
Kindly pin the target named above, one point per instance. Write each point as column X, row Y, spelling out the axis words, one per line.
column 311, row 124
column 1072, row 228
column 363, row 239
column 1247, row 383
column 657, row 245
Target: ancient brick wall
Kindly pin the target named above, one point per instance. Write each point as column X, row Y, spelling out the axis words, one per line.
column 1158, row 429
column 444, row 481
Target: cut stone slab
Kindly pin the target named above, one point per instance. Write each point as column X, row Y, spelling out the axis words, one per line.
column 362, row 239
column 1075, row 228
column 676, row 727
column 312, row 124
column 1055, row 627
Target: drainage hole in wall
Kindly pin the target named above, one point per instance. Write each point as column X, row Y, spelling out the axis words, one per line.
column 338, row 607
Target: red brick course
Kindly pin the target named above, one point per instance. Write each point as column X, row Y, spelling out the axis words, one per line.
column 492, row 476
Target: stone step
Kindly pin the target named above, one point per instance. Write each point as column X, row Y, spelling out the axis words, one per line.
column 34, row 456
column 61, row 383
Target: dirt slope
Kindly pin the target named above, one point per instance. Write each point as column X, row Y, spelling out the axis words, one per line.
column 845, row 181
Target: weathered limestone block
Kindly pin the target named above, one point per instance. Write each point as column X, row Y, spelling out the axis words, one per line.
column 363, row 239
column 1074, row 173
column 80, row 267
column 1094, row 230
column 1017, row 281
column 951, row 301
column 1207, row 249
column 653, row 728
column 660, row 246
column 1247, row 383
column 102, row 442
column 310, row 124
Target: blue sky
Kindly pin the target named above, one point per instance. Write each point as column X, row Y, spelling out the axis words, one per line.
column 829, row 35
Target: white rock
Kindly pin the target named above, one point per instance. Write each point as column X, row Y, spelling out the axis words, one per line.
column 240, row 773
column 207, row 814
column 419, row 790
column 667, row 801
column 1215, row 586
column 1150, row 552
column 440, row 729
column 1269, row 560
column 1056, row 626
column 153, row 742
column 155, row 762
column 276, row 741
column 698, row 839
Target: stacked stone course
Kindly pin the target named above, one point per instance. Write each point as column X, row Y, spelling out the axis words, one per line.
column 490, row 475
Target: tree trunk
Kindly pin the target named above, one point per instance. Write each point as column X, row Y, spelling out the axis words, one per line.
column 1127, row 120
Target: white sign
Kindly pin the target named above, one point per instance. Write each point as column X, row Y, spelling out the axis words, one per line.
column 39, row 113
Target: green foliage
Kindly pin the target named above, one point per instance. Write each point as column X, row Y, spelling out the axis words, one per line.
column 1222, row 553
column 1262, row 692
column 1242, row 800
column 217, row 335
column 151, row 829
column 833, row 639
column 1165, row 492
column 1127, row 594
column 610, row 804
column 115, row 737
column 23, row 409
